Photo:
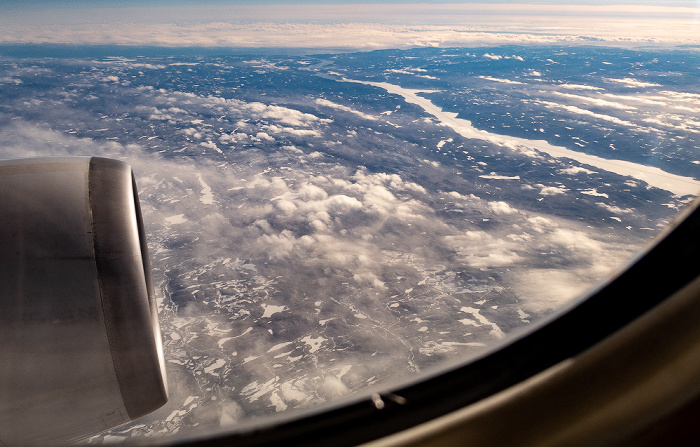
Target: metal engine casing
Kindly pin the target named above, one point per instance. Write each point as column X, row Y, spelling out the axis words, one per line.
column 80, row 345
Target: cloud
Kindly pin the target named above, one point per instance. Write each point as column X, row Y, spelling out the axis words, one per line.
column 346, row 26
column 291, row 131
column 492, row 56
column 369, row 278
column 615, row 209
column 501, row 208
column 578, row 87
column 545, row 288
column 551, row 190
column 682, row 123
column 480, row 249
column 596, row 101
column 501, row 80
column 594, row 192
column 308, row 191
column 289, row 116
column 632, row 83
column 573, row 170
column 541, row 224
column 601, row 116
column 287, row 120
column 498, row 57
column 594, row 260
column 326, row 103
column 211, row 145
column 10, row 80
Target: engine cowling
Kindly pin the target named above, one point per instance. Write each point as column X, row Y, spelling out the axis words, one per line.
column 80, row 345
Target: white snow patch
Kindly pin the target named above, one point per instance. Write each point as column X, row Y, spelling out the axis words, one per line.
column 279, row 346
column 313, row 343
column 214, row 366
column 431, row 348
column 278, row 402
column 175, row 220
column 254, row 391
column 344, row 371
column 493, row 176
column 292, row 393
column 207, row 197
column 495, row 330
column 503, row 81
column 443, row 142
column 271, row 310
column 224, row 340
column 594, row 192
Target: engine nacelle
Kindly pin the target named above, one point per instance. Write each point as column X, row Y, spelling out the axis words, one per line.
column 80, row 345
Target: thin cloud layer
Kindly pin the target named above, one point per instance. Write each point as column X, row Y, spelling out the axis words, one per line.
column 353, row 27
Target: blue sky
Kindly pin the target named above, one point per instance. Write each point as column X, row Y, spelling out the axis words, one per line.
column 56, row 4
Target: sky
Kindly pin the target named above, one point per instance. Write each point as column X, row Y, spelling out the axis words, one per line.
column 108, row 3
column 349, row 24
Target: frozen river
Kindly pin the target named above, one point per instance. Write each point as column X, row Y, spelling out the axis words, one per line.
column 653, row 176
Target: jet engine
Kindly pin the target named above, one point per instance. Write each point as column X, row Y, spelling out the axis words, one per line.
column 80, row 345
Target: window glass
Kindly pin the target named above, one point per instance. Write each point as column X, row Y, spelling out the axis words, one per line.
column 341, row 196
